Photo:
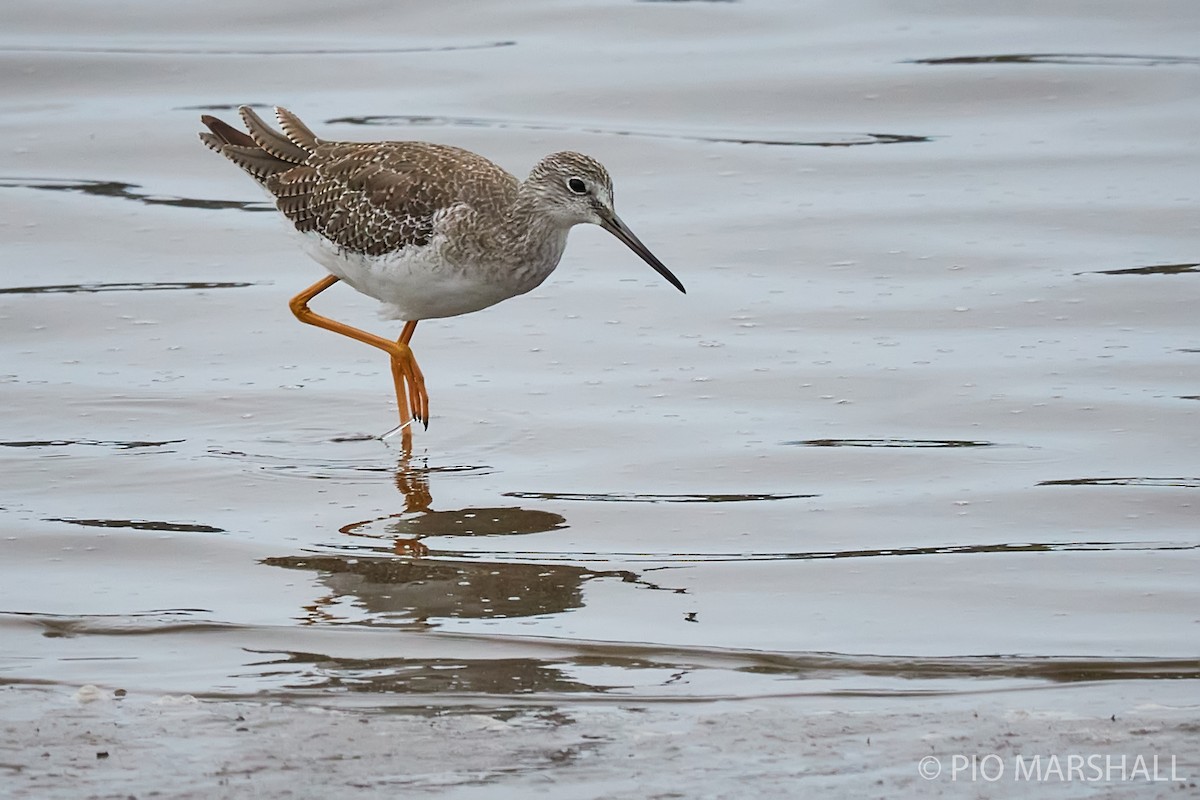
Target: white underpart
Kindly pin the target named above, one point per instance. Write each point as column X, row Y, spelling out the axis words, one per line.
column 417, row 282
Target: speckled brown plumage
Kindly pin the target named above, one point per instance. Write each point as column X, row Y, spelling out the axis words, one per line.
column 368, row 197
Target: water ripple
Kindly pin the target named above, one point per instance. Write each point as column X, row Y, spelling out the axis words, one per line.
column 1153, row 269
column 1008, row 548
column 1071, row 59
column 126, row 191
column 324, row 468
column 891, row 443
column 226, row 51
column 141, row 286
column 623, row 497
column 1181, row 483
column 788, row 139
column 88, row 442
column 539, row 668
column 139, row 525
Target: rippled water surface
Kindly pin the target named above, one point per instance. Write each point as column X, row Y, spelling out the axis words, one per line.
column 925, row 421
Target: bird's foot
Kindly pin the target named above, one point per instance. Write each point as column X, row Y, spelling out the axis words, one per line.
column 410, row 387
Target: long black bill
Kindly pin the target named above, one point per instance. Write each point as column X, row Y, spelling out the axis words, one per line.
column 618, row 229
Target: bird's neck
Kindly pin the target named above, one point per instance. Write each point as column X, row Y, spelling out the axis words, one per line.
column 538, row 238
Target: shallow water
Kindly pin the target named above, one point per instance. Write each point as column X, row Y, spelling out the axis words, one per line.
column 926, row 420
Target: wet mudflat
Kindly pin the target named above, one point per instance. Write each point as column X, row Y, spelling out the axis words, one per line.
column 912, row 462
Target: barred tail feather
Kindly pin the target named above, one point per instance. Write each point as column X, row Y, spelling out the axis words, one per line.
column 296, row 130
column 272, row 140
column 264, row 151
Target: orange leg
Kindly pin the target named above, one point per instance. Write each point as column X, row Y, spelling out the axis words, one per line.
column 410, row 383
column 419, row 400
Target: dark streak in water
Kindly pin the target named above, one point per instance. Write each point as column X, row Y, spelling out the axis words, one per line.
column 150, row 286
column 134, row 623
column 89, row 443
column 355, row 437
column 625, row 655
column 1154, row 269
column 1008, row 548
column 126, row 191
column 891, row 443
column 67, row 618
column 222, row 107
column 1064, row 669
column 851, row 140
column 655, row 498
column 208, row 51
column 1179, row 483
column 536, row 680
column 1071, row 59
column 139, row 525
column 495, row 676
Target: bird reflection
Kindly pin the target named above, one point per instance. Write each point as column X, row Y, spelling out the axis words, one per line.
column 413, row 484
column 381, row 574
column 319, row 672
column 404, row 530
column 425, row 583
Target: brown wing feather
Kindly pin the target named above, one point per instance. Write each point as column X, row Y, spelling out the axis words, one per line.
column 372, row 198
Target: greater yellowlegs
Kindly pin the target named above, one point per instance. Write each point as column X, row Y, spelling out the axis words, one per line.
column 429, row 230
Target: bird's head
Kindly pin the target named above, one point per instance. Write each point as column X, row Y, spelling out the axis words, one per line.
column 572, row 188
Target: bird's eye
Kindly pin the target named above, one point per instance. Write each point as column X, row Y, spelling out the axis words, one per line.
column 577, row 186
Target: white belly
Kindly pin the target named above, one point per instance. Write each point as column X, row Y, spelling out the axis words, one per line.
column 416, row 283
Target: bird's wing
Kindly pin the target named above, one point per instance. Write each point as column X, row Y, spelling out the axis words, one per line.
column 376, row 198
column 371, row 198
